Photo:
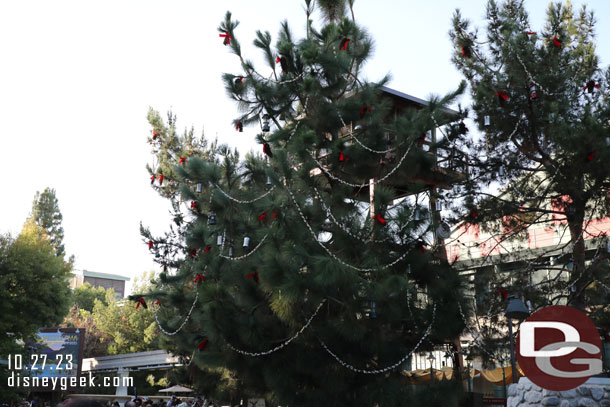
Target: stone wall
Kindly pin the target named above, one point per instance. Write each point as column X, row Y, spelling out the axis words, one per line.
column 594, row 393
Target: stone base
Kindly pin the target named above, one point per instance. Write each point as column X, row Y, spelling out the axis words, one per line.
column 595, row 392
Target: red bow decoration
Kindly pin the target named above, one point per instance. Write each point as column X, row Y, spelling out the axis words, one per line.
column 182, row 160
column 364, row 109
column 193, row 204
column 152, row 179
column 141, row 302
column 157, row 302
column 274, row 214
column 282, row 62
column 155, row 134
column 267, row 149
column 207, row 248
column 503, row 293
column 227, row 38
column 193, row 253
column 199, row 277
column 262, row 216
column 344, row 43
column 590, row 86
column 239, row 80
column 380, row 219
column 202, row 344
column 150, row 244
column 502, row 96
column 253, row 276
column 466, row 51
column 473, row 214
column 530, row 32
column 463, row 128
column 556, row 42
column 422, row 247
column 160, row 179
column 343, row 157
column 591, row 156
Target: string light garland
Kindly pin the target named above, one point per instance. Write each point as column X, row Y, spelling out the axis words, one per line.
column 375, row 182
column 388, row 368
column 283, row 344
column 331, row 254
column 249, row 201
column 188, row 316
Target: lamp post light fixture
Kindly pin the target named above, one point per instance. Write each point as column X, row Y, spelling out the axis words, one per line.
column 515, row 309
column 468, row 378
column 431, row 358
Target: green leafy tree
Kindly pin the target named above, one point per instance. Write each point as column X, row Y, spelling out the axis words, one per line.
column 542, row 102
column 46, row 214
column 86, row 294
column 128, row 329
column 34, row 289
column 309, row 255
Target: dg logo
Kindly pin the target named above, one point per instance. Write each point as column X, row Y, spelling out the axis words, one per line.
column 559, row 348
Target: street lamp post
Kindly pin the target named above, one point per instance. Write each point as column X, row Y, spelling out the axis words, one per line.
column 515, row 309
column 431, row 358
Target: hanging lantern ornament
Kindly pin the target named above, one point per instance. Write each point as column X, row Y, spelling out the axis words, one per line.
column 533, row 92
column 246, row 242
column 230, row 251
column 219, row 240
column 501, row 171
column 487, row 120
column 212, row 218
column 417, row 214
column 443, row 231
column 439, row 206
column 199, row 188
column 266, row 127
column 373, row 313
column 268, row 180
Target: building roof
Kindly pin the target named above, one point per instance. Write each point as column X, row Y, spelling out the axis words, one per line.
column 96, row 274
column 413, row 99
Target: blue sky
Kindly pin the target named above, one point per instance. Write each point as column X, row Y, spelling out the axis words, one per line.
column 77, row 78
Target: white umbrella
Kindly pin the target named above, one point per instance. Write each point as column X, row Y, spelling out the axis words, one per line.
column 176, row 389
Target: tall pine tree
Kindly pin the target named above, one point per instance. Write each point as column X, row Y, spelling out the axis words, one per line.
column 46, row 214
column 302, row 275
column 541, row 102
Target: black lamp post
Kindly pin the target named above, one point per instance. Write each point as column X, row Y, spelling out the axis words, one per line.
column 431, row 358
column 515, row 309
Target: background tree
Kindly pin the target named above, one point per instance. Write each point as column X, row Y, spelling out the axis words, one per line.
column 86, row 294
column 129, row 329
column 34, row 290
column 541, row 101
column 46, row 214
column 282, row 261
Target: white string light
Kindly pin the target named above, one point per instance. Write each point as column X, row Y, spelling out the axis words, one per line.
column 331, row 253
column 299, row 332
column 247, row 254
column 183, row 322
column 351, row 133
column 241, row 201
column 375, row 182
column 343, row 227
column 388, row 368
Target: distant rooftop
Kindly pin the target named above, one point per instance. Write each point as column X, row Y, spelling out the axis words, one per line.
column 413, row 99
column 95, row 274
